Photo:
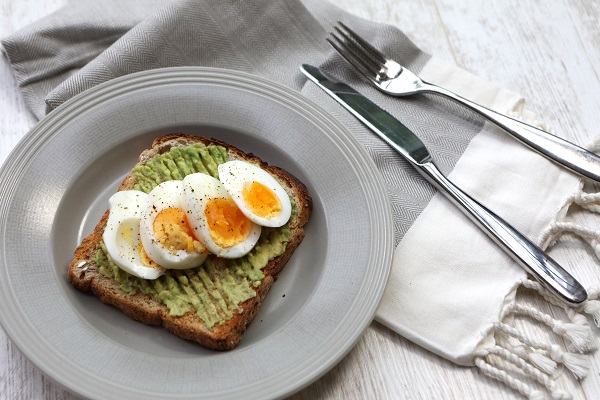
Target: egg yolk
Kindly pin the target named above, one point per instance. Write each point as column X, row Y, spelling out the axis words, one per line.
column 172, row 230
column 127, row 234
column 146, row 260
column 227, row 225
column 261, row 200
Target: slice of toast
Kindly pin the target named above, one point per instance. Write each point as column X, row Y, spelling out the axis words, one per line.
column 87, row 273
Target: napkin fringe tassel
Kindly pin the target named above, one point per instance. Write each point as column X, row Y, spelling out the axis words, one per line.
column 502, row 376
column 519, row 360
column 507, row 363
column 578, row 332
column 545, row 356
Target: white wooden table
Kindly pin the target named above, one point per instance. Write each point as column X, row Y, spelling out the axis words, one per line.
column 547, row 51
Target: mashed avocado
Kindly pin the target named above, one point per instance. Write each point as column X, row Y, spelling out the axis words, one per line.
column 216, row 288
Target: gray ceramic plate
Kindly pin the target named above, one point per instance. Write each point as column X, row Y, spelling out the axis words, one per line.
column 55, row 185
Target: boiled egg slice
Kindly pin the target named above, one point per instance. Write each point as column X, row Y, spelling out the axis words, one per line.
column 122, row 234
column 165, row 232
column 257, row 194
column 216, row 219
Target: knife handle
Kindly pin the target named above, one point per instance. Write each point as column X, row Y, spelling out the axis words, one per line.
column 533, row 259
column 560, row 151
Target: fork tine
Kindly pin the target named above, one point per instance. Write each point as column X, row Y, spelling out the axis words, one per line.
column 366, row 46
column 369, row 71
column 358, row 52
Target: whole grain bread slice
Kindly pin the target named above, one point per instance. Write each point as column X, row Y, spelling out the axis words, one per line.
column 84, row 273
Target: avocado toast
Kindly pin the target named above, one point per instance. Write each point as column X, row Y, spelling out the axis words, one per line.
column 211, row 304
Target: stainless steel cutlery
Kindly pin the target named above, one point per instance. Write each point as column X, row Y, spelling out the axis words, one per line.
column 405, row 142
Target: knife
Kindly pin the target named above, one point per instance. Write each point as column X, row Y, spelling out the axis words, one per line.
column 529, row 256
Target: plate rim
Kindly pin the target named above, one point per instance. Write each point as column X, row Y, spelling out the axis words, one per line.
column 51, row 124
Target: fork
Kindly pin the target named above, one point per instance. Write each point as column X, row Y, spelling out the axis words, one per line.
column 392, row 78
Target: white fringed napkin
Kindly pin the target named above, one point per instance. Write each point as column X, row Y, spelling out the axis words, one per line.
column 451, row 290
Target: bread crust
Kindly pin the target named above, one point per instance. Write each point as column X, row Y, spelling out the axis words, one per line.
column 84, row 273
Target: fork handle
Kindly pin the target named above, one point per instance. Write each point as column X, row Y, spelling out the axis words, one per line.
column 552, row 147
column 522, row 250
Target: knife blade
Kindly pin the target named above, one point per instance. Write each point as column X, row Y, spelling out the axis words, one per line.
column 529, row 256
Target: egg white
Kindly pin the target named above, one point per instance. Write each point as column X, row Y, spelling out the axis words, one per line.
column 122, row 233
column 199, row 189
column 235, row 175
column 166, row 195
